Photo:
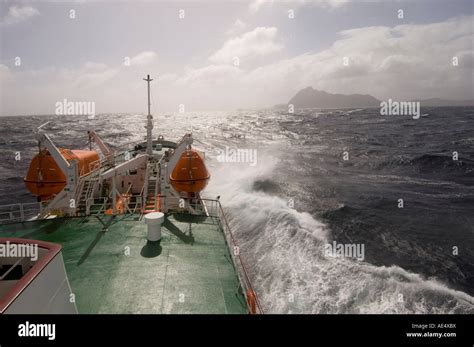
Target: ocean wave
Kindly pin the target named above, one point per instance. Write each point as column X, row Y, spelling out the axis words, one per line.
column 442, row 161
column 291, row 273
column 426, row 163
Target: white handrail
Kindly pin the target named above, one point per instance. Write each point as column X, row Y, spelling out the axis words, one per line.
column 19, row 212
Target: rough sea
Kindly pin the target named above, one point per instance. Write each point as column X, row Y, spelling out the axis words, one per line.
column 309, row 179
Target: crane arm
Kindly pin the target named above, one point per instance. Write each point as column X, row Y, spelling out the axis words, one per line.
column 186, row 141
column 102, row 146
column 45, row 141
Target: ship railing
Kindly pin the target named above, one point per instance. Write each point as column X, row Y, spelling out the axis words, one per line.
column 156, row 169
column 110, row 160
column 178, row 204
column 98, row 205
column 213, row 208
column 143, row 198
column 144, row 191
column 100, row 163
column 20, row 212
column 236, row 255
column 139, row 205
column 127, row 198
column 93, row 181
column 78, row 190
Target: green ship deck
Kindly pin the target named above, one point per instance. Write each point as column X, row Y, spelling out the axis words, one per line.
column 117, row 271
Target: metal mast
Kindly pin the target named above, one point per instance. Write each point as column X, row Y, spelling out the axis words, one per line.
column 149, row 125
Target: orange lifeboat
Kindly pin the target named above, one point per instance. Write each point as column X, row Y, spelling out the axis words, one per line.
column 190, row 174
column 45, row 179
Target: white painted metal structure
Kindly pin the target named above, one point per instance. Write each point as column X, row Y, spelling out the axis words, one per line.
column 166, row 168
column 154, row 221
column 107, row 153
column 148, row 173
column 35, row 285
column 149, row 125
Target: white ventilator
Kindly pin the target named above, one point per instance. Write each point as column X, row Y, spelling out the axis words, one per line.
column 153, row 221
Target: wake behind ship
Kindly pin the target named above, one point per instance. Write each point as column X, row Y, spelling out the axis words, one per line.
column 126, row 232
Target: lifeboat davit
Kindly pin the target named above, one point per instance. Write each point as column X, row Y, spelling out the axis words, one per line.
column 190, row 174
column 45, row 179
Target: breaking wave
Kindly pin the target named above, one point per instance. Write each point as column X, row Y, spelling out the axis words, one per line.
column 290, row 272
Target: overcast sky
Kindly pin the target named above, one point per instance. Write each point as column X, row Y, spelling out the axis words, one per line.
column 228, row 55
